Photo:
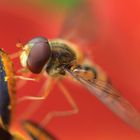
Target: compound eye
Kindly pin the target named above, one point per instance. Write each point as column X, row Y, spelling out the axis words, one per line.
column 39, row 55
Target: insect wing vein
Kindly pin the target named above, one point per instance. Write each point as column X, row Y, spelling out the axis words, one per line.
column 112, row 99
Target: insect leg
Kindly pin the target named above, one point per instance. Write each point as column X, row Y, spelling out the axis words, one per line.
column 15, row 55
column 23, row 74
column 69, row 98
column 24, row 78
column 53, row 114
column 47, row 87
column 42, row 97
column 22, row 83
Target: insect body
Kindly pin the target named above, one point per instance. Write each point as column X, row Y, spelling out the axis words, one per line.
column 54, row 56
column 58, row 58
column 7, row 89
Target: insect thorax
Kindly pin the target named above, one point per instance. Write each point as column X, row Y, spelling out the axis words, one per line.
column 62, row 56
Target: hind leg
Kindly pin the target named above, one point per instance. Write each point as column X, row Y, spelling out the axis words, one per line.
column 53, row 114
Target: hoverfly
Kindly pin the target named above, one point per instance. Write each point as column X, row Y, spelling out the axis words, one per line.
column 60, row 57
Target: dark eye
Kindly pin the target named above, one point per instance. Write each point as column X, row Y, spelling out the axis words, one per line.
column 39, row 54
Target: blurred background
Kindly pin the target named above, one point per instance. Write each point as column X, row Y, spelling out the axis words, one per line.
column 108, row 31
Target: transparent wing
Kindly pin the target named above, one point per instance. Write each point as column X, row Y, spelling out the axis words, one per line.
column 79, row 24
column 112, row 99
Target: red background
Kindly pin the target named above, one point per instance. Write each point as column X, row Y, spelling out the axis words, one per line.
column 117, row 51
